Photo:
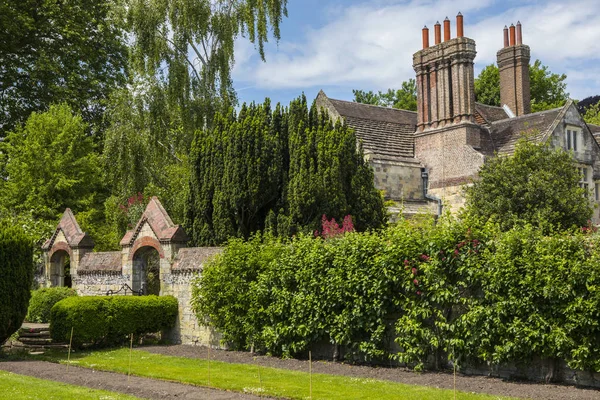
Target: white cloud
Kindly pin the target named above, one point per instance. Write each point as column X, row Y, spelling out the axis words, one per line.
column 370, row 45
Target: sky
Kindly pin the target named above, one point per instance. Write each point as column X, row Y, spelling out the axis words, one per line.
column 340, row 45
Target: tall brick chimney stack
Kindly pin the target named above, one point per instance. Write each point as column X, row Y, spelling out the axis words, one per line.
column 513, row 63
column 445, row 79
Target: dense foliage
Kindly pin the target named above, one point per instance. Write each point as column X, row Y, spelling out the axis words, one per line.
column 537, row 185
column 140, row 77
column 110, row 319
column 548, row 90
column 16, row 275
column 56, row 51
column 195, row 42
column 445, row 291
column 42, row 301
column 404, row 98
column 539, row 298
column 277, row 170
column 592, row 114
column 50, row 165
column 285, row 297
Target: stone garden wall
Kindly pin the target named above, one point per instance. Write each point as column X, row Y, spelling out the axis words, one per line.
column 187, row 331
column 99, row 283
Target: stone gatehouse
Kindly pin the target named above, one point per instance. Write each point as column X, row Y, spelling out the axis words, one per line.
column 153, row 259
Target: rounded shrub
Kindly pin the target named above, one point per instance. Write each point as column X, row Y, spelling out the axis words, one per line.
column 42, row 301
column 110, row 319
column 16, row 275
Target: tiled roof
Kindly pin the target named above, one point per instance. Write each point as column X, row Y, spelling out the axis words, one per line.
column 109, row 261
column 505, row 133
column 193, row 258
column 375, row 113
column 70, row 228
column 595, row 129
column 160, row 222
column 489, row 114
column 383, row 131
column 384, row 138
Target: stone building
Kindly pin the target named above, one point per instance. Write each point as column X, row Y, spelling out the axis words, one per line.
column 422, row 159
column 153, row 259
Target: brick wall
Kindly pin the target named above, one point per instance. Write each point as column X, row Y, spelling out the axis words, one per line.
column 450, row 156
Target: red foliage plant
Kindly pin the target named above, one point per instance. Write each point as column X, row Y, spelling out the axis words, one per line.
column 330, row 228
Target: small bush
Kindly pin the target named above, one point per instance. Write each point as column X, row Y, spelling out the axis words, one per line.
column 42, row 301
column 110, row 319
column 16, row 275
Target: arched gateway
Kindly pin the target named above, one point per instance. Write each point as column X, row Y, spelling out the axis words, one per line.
column 153, row 259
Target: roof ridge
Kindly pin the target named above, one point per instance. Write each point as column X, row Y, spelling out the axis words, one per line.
column 520, row 117
column 373, row 105
column 487, row 105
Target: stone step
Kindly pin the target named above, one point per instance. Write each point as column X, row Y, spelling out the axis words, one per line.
column 41, row 346
column 34, row 334
column 38, row 341
column 27, row 329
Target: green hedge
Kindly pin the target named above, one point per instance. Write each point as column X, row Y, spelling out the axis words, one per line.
column 110, row 319
column 42, row 301
column 16, row 276
column 444, row 290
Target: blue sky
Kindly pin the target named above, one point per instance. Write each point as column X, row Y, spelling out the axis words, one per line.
column 340, row 45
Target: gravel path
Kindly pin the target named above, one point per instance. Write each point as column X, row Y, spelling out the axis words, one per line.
column 141, row 387
column 477, row 384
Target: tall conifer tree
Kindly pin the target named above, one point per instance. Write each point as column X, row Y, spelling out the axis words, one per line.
column 277, row 170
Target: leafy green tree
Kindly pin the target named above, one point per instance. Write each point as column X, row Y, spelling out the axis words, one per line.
column 404, row 98
column 537, row 185
column 16, row 259
column 487, row 86
column 194, row 42
column 56, row 51
column 364, row 97
column 141, row 156
column 548, row 90
column 50, row 165
column 592, row 114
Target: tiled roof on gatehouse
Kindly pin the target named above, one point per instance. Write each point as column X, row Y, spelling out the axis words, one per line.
column 73, row 233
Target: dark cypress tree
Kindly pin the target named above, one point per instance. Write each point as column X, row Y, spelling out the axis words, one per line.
column 279, row 171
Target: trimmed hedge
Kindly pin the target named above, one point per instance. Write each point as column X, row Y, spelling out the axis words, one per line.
column 16, row 275
column 441, row 290
column 110, row 319
column 42, row 301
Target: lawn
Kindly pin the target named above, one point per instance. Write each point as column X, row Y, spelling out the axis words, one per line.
column 17, row 387
column 263, row 381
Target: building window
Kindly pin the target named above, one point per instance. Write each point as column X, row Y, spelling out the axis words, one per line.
column 583, row 181
column 572, row 136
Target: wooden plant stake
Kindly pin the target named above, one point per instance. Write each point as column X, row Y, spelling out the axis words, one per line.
column 259, row 378
column 70, row 344
column 310, row 374
column 454, row 364
column 130, row 350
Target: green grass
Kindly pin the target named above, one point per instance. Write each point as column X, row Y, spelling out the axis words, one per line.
column 245, row 378
column 17, row 387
